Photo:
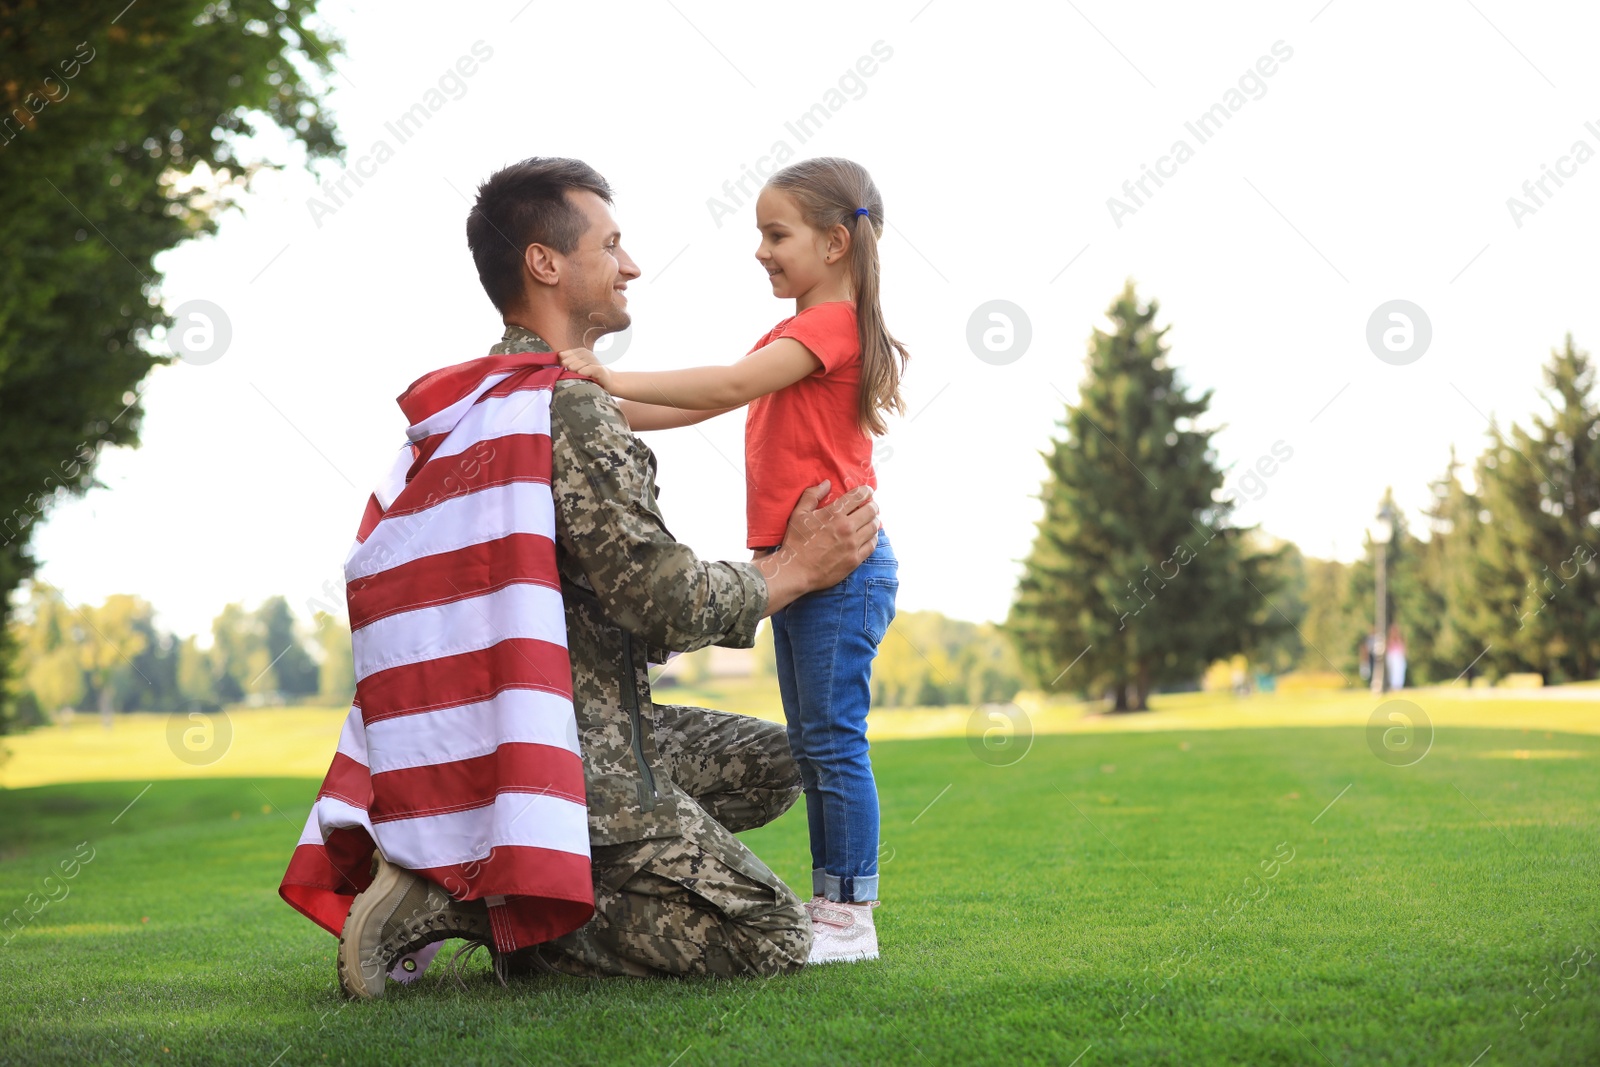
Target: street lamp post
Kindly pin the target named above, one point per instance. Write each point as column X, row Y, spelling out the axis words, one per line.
column 1381, row 534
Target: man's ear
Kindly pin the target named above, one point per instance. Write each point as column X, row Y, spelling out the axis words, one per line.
column 543, row 263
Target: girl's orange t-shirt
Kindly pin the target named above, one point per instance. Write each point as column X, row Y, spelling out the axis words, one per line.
column 808, row 431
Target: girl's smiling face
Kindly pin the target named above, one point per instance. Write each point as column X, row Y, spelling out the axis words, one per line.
column 795, row 256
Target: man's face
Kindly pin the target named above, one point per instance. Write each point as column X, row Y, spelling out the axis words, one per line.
column 597, row 272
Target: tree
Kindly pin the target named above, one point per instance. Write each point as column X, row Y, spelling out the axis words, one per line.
column 113, row 654
column 50, row 671
column 1493, row 590
column 56, row 680
column 1539, row 579
column 990, row 670
column 197, row 678
column 290, row 670
column 116, row 655
column 1271, row 638
column 1134, row 577
column 1330, row 629
column 929, row 660
column 337, row 678
column 237, row 654
column 1413, row 600
column 103, row 120
column 1450, row 560
column 915, row 664
column 148, row 680
column 108, row 641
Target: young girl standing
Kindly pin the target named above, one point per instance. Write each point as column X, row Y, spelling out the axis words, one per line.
column 818, row 384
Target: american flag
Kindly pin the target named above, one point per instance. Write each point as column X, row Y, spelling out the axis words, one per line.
column 459, row 757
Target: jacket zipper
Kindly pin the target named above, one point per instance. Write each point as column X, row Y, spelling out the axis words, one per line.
column 630, row 686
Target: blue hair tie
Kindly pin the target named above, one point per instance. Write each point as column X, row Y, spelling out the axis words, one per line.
column 862, row 211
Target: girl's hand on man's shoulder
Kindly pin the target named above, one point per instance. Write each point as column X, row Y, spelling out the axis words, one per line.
column 582, row 361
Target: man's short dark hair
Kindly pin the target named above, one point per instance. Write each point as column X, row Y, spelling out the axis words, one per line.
column 523, row 204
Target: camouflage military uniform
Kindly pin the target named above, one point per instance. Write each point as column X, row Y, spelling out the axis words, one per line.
column 675, row 891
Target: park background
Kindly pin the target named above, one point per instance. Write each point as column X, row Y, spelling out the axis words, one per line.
column 1151, row 428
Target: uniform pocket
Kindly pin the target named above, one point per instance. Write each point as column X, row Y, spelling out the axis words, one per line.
column 880, row 607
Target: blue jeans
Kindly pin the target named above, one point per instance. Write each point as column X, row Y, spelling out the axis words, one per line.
column 825, row 643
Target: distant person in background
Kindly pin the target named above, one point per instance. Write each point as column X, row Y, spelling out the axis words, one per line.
column 1394, row 652
column 1364, row 654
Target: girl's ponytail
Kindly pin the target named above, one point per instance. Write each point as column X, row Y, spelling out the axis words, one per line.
column 829, row 192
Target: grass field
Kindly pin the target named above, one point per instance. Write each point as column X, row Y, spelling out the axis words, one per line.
column 1087, row 904
column 298, row 741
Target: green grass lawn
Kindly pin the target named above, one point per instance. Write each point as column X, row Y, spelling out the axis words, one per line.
column 1053, row 909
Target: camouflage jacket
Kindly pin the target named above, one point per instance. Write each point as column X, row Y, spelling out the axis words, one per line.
column 632, row 593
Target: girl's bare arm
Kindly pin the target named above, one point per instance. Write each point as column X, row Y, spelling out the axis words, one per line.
column 714, row 389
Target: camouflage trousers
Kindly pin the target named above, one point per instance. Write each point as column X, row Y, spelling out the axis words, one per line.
column 700, row 903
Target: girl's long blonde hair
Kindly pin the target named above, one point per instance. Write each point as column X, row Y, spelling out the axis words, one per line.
column 828, row 191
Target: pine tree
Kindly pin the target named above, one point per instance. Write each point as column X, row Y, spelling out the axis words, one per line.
column 1449, row 573
column 1540, row 544
column 1134, row 578
column 1495, row 607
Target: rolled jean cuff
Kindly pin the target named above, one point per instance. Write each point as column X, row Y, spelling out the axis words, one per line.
column 848, row 889
column 819, row 882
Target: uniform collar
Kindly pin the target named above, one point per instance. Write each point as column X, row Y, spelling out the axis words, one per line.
column 518, row 349
column 519, row 339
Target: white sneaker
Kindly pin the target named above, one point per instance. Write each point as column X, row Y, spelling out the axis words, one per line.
column 842, row 932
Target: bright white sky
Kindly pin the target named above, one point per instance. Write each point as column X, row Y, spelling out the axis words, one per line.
column 1376, row 166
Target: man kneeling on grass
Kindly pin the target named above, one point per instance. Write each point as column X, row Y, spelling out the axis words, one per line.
column 511, row 582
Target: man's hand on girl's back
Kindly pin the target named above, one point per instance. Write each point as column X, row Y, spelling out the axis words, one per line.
column 831, row 542
column 821, row 546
